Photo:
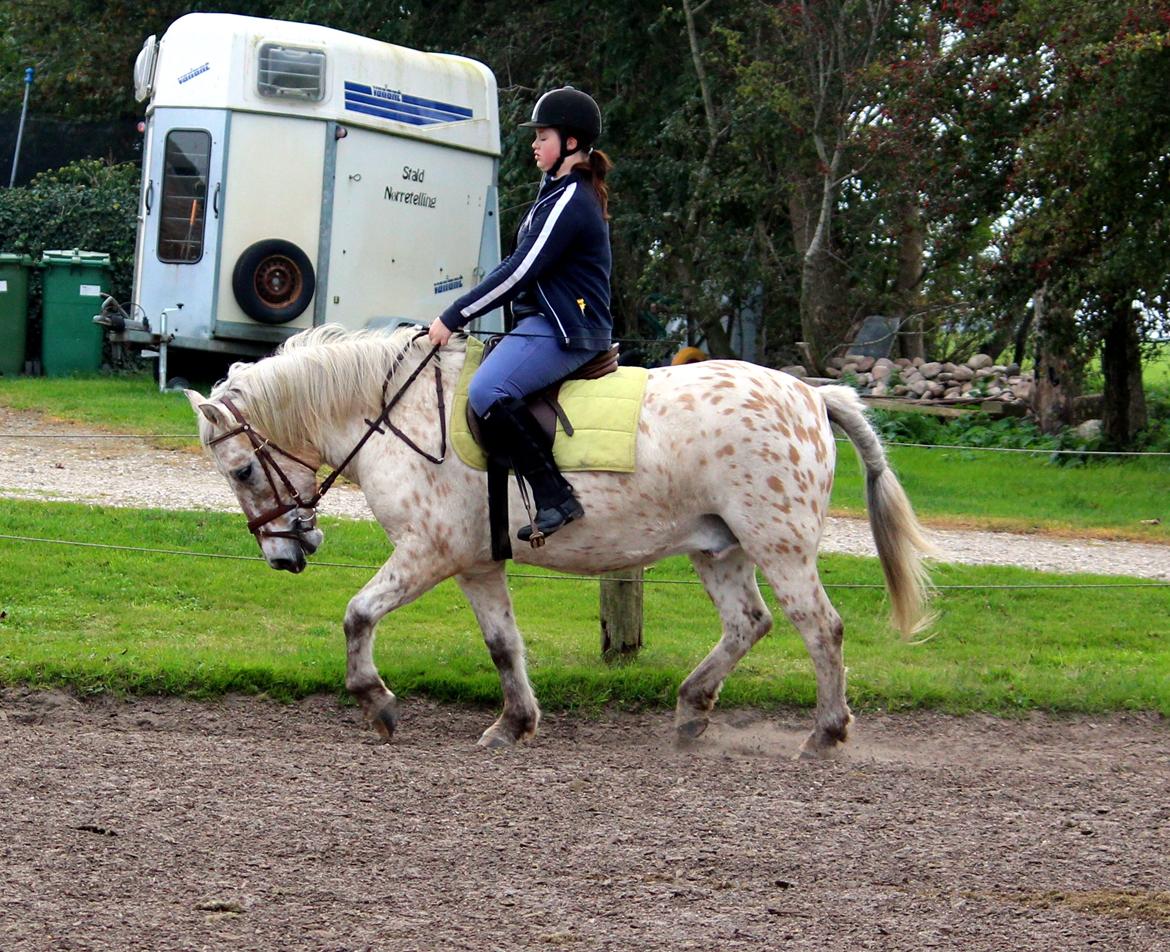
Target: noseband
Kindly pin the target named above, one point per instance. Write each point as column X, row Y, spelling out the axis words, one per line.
column 263, row 449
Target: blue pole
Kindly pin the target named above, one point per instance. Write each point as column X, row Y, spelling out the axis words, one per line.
column 28, row 78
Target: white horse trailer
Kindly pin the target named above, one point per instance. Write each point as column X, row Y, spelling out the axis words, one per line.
column 295, row 175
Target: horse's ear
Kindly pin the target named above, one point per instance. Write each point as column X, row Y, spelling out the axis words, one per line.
column 209, row 410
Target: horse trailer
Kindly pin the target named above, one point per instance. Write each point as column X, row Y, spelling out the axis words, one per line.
column 295, row 175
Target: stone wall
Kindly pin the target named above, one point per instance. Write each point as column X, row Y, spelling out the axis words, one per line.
column 972, row 380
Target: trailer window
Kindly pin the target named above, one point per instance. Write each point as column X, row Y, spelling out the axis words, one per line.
column 183, row 208
column 291, row 73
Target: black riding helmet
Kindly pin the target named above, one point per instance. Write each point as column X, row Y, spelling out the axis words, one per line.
column 572, row 113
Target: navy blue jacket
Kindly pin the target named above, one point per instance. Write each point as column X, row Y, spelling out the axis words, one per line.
column 562, row 263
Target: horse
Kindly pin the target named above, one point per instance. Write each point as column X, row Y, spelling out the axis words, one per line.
column 734, row 467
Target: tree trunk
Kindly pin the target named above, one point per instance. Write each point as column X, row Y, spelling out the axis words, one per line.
column 824, row 320
column 1020, row 348
column 911, row 252
column 840, row 42
column 702, row 322
column 799, row 203
column 718, row 340
column 706, row 318
column 1057, row 373
column 1124, row 413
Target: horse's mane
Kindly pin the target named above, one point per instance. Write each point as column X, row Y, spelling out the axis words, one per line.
column 317, row 376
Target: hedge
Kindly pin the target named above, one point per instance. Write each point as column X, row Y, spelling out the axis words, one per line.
column 90, row 205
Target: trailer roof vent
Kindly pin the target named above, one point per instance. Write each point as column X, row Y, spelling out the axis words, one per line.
column 291, row 73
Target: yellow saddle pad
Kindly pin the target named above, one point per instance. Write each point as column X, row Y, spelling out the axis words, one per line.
column 604, row 414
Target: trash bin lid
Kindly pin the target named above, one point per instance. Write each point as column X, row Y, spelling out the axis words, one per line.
column 24, row 260
column 85, row 259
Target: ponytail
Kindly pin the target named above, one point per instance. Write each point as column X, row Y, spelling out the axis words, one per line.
column 599, row 164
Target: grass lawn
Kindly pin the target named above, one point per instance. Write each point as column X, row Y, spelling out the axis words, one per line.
column 1156, row 370
column 955, row 486
column 123, row 404
column 103, row 619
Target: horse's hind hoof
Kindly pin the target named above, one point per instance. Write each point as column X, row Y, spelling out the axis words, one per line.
column 386, row 720
column 690, row 731
column 830, row 752
column 493, row 740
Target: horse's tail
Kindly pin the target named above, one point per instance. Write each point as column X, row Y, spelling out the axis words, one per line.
column 896, row 532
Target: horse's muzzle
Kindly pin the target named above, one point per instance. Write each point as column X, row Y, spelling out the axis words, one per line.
column 296, row 565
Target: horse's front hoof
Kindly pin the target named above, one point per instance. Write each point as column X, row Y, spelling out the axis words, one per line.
column 386, row 720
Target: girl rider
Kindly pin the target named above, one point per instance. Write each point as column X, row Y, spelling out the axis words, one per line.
column 557, row 284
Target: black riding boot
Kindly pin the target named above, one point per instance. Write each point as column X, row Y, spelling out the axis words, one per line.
column 510, row 431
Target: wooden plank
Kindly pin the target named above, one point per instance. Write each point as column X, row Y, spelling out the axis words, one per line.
column 916, row 406
column 1002, row 408
column 621, row 613
column 939, row 406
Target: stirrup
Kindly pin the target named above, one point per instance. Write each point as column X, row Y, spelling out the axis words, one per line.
column 549, row 520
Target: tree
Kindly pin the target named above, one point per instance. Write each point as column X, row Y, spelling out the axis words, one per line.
column 1091, row 181
column 84, row 50
column 948, row 162
column 943, row 148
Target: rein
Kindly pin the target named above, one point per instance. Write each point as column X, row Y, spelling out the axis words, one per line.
column 263, row 449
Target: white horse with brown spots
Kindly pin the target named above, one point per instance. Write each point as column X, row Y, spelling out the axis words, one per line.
column 734, row 468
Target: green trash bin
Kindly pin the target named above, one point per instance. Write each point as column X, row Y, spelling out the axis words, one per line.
column 74, row 283
column 13, row 312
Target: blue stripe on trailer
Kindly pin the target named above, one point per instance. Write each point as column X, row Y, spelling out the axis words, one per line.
column 389, row 114
column 378, row 102
column 425, row 109
column 461, row 111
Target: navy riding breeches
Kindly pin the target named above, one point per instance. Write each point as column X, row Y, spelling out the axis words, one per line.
column 526, row 360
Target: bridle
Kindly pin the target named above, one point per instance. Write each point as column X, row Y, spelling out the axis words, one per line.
column 263, row 450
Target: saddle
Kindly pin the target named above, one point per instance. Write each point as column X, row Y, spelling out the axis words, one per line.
column 547, row 410
column 543, row 404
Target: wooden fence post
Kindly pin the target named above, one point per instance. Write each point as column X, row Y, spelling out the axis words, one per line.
column 621, row 613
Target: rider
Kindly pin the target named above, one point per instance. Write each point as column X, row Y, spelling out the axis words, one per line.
column 557, row 284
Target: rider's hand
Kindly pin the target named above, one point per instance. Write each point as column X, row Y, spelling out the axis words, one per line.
column 439, row 333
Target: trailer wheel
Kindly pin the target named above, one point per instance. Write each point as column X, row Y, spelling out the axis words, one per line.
column 273, row 281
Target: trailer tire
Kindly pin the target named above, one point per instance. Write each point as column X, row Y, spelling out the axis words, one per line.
column 273, row 281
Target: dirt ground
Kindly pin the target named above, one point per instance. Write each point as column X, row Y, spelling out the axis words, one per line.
column 162, row 824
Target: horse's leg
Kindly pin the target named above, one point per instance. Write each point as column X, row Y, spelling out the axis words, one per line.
column 731, row 583
column 487, row 590
column 401, row 580
column 798, row 589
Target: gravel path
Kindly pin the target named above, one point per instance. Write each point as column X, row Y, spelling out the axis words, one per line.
column 77, row 465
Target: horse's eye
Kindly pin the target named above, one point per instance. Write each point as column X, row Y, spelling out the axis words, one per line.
column 243, row 473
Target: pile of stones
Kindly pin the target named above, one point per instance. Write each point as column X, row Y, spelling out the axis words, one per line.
column 978, row 378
